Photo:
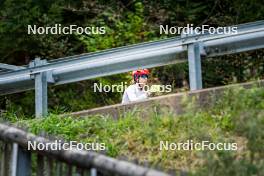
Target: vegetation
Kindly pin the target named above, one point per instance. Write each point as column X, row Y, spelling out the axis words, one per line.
column 237, row 117
column 126, row 22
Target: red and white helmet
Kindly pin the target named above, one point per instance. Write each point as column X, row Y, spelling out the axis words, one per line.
column 136, row 74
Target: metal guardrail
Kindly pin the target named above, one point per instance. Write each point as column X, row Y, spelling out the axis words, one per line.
column 39, row 73
column 10, row 67
column 16, row 160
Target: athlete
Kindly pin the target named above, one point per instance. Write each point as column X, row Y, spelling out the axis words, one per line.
column 136, row 91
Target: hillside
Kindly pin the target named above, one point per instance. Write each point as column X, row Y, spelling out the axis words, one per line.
column 237, row 117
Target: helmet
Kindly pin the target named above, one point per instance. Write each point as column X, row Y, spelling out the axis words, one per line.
column 136, row 74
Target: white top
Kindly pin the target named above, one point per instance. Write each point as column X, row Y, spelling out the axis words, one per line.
column 134, row 93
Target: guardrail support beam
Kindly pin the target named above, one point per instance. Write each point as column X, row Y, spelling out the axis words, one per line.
column 41, row 90
column 93, row 172
column 41, row 97
column 194, row 61
column 21, row 161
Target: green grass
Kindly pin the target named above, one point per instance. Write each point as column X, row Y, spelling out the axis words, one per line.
column 237, row 116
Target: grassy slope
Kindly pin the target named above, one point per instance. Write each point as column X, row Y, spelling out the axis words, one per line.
column 237, row 117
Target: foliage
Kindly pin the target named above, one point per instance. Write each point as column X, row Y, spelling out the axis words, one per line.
column 126, row 22
column 236, row 117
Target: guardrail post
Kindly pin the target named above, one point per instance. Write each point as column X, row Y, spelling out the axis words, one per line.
column 41, row 89
column 21, row 161
column 93, row 172
column 194, row 61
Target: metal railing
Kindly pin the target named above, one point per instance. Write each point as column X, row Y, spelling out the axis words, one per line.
column 40, row 73
column 17, row 160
